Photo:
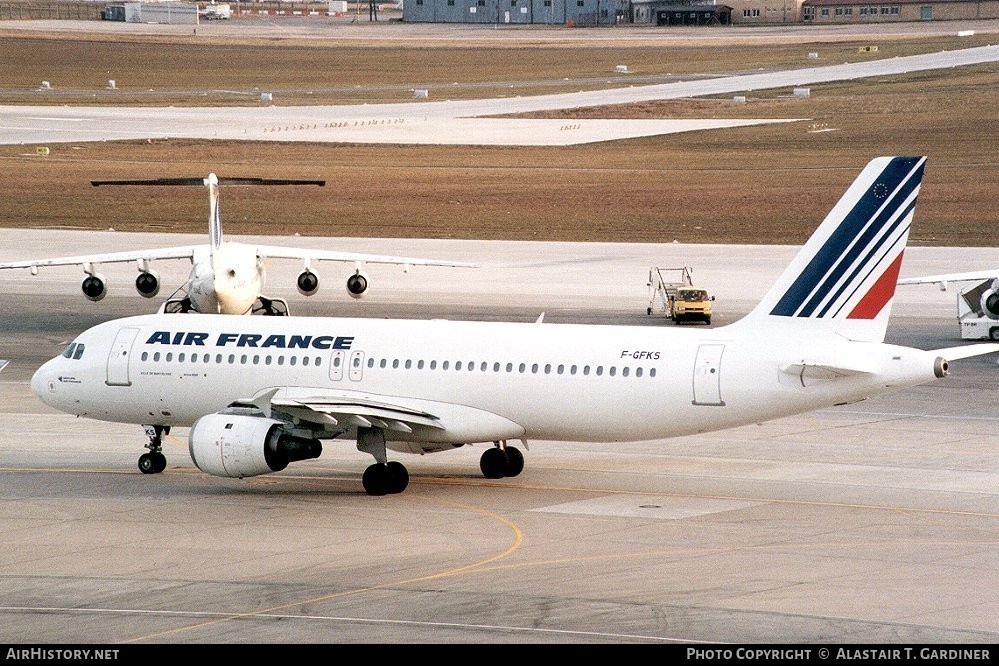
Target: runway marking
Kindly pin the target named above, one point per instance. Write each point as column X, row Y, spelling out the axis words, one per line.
column 356, row 620
column 518, row 539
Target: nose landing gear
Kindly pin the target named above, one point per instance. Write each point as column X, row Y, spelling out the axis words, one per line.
column 154, row 462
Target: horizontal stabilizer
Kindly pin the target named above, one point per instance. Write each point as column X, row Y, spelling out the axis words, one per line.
column 201, row 181
column 967, row 351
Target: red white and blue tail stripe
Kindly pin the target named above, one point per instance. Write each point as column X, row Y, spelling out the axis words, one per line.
column 845, row 275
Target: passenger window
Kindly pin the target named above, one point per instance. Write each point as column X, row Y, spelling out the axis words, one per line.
column 293, row 360
column 409, row 364
column 180, row 357
column 145, row 355
column 395, row 363
column 457, row 365
column 600, row 370
column 156, row 356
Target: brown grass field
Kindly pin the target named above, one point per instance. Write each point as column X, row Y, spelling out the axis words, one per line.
column 770, row 184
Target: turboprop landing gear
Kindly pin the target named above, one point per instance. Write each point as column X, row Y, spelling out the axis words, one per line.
column 383, row 477
column 500, row 461
column 154, row 462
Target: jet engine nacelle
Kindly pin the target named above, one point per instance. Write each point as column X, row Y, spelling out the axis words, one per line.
column 990, row 300
column 307, row 283
column 94, row 287
column 238, row 446
column 147, row 283
column 357, row 284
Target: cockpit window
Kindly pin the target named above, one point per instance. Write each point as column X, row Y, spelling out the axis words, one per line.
column 73, row 351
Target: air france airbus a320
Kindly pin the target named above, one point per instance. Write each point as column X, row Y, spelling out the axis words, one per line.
column 261, row 392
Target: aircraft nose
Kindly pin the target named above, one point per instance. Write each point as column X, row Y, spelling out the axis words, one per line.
column 40, row 381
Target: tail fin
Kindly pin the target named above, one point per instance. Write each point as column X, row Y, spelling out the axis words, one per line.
column 214, row 212
column 843, row 279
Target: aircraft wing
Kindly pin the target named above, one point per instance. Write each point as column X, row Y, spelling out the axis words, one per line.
column 409, row 419
column 184, row 252
column 278, row 252
column 952, row 277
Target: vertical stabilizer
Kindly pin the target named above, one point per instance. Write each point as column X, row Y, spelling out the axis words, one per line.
column 843, row 279
column 214, row 213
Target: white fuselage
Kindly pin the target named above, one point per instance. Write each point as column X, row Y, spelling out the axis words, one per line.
column 227, row 280
column 557, row 382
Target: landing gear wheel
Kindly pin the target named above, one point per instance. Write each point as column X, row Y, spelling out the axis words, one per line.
column 152, row 463
column 385, row 479
column 994, row 333
column 493, row 463
column 399, row 476
column 515, row 461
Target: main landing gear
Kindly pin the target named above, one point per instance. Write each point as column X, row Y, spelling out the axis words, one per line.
column 501, row 460
column 383, row 477
column 154, row 462
column 388, row 478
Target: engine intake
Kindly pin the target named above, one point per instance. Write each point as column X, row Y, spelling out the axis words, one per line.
column 147, row 283
column 307, row 283
column 237, row 446
column 94, row 287
column 357, row 284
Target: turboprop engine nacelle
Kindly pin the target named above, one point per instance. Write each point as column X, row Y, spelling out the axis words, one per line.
column 357, row 284
column 147, row 283
column 307, row 282
column 94, row 287
column 238, row 446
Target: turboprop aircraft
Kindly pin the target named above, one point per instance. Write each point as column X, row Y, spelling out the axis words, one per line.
column 226, row 277
column 259, row 393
